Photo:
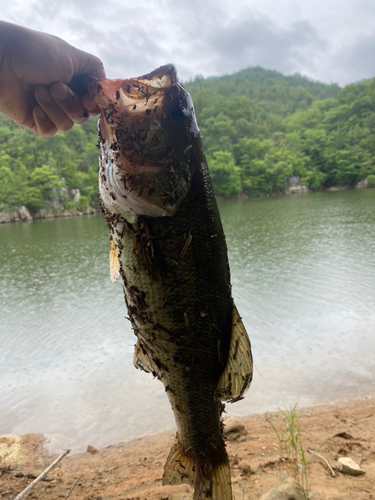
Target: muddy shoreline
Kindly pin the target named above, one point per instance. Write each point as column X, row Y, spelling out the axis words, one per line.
column 133, row 470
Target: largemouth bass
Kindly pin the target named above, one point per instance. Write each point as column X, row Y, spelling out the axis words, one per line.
column 168, row 245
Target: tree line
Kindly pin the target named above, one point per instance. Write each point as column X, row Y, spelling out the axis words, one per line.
column 258, row 127
column 34, row 169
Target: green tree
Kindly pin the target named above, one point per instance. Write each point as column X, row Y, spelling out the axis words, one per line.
column 6, row 183
column 226, row 177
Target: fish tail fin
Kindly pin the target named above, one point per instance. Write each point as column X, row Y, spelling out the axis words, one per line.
column 210, row 478
column 213, row 481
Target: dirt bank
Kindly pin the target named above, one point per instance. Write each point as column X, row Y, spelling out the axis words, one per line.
column 133, row 470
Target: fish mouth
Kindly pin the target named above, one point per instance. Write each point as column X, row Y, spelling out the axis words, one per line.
column 134, row 116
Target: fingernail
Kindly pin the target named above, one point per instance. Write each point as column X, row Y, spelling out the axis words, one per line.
column 59, row 91
column 43, row 95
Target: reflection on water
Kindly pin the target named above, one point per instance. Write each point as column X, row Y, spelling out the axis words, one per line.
column 303, row 274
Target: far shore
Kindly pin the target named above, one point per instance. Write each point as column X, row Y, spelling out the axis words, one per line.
column 21, row 214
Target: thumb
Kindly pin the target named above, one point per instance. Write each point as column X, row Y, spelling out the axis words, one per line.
column 87, row 64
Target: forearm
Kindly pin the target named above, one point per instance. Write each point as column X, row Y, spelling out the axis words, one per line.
column 5, row 32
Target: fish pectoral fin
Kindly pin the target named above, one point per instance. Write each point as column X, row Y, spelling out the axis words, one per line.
column 143, row 361
column 210, row 477
column 114, row 265
column 238, row 372
column 179, row 468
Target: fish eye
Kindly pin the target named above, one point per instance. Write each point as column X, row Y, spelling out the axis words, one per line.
column 178, row 116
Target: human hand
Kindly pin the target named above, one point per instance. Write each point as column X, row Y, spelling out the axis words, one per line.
column 37, row 74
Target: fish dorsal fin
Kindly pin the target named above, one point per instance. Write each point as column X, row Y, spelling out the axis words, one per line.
column 238, row 372
column 114, row 266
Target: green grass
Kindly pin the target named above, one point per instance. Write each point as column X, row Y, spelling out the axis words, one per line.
column 290, row 448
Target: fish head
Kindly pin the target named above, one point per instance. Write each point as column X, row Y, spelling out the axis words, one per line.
column 147, row 130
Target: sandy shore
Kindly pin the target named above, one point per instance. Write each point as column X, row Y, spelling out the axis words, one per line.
column 133, row 470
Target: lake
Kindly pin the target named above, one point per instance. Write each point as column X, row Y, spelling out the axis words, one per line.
column 303, row 275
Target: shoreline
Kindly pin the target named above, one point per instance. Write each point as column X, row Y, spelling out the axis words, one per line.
column 132, row 470
column 21, row 214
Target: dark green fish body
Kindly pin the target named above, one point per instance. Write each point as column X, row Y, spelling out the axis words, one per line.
column 160, row 207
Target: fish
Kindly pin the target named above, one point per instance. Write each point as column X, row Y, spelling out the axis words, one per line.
column 168, row 246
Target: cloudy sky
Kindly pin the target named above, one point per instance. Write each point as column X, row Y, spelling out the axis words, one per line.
column 327, row 40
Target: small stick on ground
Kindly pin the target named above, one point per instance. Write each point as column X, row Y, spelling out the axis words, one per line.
column 326, row 462
column 108, row 470
column 41, row 476
column 72, row 488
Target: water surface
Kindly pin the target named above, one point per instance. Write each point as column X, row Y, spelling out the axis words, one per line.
column 303, row 275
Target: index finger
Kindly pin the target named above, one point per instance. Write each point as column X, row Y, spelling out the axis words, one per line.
column 80, row 85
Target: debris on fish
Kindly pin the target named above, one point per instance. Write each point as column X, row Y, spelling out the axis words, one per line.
column 168, row 246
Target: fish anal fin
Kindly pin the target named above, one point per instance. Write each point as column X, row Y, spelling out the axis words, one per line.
column 179, row 468
column 210, row 477
column 114, row 265
column 143, row 361
column 238, row 372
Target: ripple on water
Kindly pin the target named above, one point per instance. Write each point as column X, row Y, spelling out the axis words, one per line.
column 303, row 274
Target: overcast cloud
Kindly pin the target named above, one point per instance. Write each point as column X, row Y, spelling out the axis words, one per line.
column 327, row 40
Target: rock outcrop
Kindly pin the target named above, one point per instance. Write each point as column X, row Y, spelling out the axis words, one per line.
column 363, row 184
column 16, row 215
column 45, row 213
column 295, row 186
column 23, row 215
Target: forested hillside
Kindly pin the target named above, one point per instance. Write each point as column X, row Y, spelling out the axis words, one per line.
column 35, row 169
column 259, row 128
